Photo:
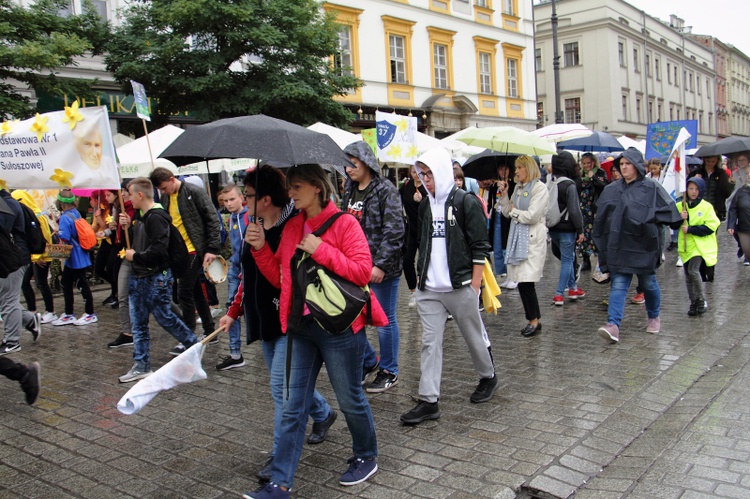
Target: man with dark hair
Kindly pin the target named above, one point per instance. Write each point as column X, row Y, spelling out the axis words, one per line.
column 194, row 216
column 150, row 284
column 258, row 300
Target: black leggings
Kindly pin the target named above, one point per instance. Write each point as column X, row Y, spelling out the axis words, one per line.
column 411, row 254
column 40, row 278
column 529, row 300
column 107, row 264
column 76, row 277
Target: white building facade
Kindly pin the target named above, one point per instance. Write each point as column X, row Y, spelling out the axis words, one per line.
column 450, row 63
column 738, row 94
column 621, row 69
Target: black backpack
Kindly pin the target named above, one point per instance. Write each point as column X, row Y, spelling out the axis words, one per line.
column 33, row 231
column 11, row 260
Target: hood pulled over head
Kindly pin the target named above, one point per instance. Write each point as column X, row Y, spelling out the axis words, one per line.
column 635, row 157
column 438, row 160
column 563, row 164
column 25, row 198
column 701, row 184
column 363, row 152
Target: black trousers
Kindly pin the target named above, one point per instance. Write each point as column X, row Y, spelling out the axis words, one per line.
column 191, row 298
column 76, row 277
column 410, row 272
column 529, row 300
column 40, row 278
column 12, row 370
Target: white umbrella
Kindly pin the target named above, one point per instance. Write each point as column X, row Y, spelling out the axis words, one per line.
column 120, row 140
column 134, row 157
column 627, row 142
column 562, row 131
column 342, row 138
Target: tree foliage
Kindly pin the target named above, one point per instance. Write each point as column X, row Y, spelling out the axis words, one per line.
column 224, row 58
column 35, row 42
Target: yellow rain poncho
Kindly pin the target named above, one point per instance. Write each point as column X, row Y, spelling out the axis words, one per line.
column 490, row 290
column 25, row 198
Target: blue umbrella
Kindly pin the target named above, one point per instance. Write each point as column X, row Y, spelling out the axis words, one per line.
column 597, row 141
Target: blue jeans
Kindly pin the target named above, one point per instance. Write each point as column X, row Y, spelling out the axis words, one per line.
column 153, row 295
column 275, row 354
column 497, row 246
column 342, row 355
column 619, row 291
column 235, row 331
column 388, row 336
column 566, row 241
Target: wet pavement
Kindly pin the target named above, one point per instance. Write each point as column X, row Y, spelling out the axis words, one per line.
column 662, row 415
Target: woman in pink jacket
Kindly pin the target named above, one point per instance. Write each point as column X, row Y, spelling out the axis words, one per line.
column 344, row 250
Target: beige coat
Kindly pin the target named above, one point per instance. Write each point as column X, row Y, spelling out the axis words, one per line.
column 531, row 269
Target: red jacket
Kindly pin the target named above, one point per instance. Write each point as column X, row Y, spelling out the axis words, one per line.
column 343, row 250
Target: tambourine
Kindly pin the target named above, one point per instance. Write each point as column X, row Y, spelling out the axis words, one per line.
column 216, row 271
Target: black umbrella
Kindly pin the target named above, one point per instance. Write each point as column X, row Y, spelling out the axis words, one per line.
column 483, row 166
column 260, row 137
column 729, row 145
column 597, row 141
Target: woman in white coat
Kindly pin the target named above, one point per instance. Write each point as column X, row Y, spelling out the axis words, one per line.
column 527, row 240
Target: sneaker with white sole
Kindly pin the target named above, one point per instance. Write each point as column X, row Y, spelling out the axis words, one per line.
column 216, row 312
column 382, row 382
column 49, row 317
column 135, row 374
column 359, row 471
column 64, row 320
column 35, row 328
column 230, row 363
column 6, row 348
column 610, row 332
column 653, row 325
column 86, row 319
column 413, row 300
column 177, row 350
column 679, row 262
column 510, row 284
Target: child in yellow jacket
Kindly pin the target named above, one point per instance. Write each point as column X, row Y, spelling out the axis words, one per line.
column 697, row 242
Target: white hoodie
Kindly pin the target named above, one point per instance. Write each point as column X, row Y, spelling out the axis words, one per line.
column 437, row 275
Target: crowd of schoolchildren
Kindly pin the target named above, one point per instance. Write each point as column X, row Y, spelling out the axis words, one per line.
column 439, row 228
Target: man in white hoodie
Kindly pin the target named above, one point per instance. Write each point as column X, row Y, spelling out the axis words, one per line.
column 452, row 250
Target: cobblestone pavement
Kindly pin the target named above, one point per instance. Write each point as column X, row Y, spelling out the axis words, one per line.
column 662, row 415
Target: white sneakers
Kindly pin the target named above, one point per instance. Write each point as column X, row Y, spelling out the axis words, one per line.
column 48, row 317
column 412, row 300
column 679, row 262
column 85, row 320
column 509, row 284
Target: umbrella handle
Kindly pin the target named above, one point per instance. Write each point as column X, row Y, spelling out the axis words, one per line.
column 211, row 336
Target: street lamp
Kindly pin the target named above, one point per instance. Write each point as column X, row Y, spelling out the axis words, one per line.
column 556, row 65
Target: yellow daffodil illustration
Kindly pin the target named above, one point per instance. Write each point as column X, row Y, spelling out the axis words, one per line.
column 72, row 115
column 39, row 127
column 7, row 126
column 62, row 177
column 109, row 219
column 402, row 124
column 412, row 152
column 3, row 185
column 121, row 253
column 395, row 151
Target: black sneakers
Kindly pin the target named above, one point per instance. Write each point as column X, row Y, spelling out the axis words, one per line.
column 485, row 390
column 367, row 370
column 422, row 412
column 320, row 430
column 32, row 382
column 230, row 363
column 121, row 341
column 35, row 328
column 382, row 382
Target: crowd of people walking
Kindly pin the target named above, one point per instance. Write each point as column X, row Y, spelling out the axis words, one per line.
column 439, row 228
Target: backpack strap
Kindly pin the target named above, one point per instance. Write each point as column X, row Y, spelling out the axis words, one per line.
column 329, row 222
column 74, row 233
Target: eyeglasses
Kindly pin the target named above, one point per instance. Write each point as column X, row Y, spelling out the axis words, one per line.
column 426, row 175
column 248, row 196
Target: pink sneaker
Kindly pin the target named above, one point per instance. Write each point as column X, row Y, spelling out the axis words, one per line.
column 638, row 298
column 610, row 332
column 653, row 325
column 574, row 294
column 558, row 300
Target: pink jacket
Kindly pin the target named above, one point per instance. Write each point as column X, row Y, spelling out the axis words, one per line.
column 344, row 250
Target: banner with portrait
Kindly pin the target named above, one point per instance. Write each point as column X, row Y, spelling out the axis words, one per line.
column 61, row 149
column 396, row 137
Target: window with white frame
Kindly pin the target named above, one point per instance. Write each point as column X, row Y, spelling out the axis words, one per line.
column 481, row 3
column 625, row 108
column 343, row 58
column 440, row 62
column 100, row 7
column 621, row 53
column 538, row 65
column 570, row 54
column 657, row 68
column 485, row 73
column 638, row 109
column 573, row 110
column 512, row 66
column 509, row 7
column 636, row 61
column 648, row 65
column 398, row 58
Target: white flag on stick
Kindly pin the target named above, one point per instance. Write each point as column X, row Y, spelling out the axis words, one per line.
column 675, row 177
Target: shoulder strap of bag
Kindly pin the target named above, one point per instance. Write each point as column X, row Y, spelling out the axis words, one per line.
column 329, row 222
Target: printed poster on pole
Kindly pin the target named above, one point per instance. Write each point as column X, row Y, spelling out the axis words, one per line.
column 396, row 137
column 141, row 101
column 661, row 136
column 61, row 149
